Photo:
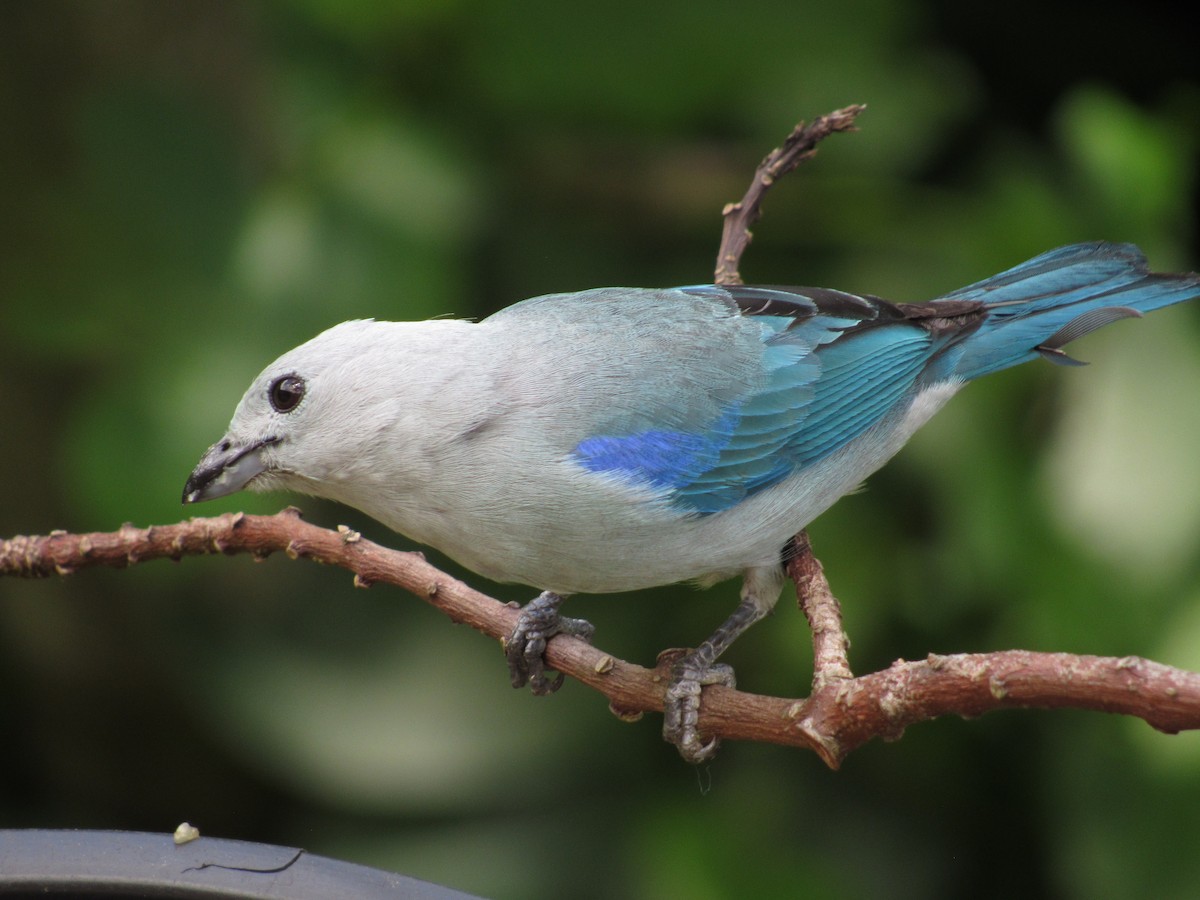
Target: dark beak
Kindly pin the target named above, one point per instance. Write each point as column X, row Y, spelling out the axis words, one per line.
column 225, row 468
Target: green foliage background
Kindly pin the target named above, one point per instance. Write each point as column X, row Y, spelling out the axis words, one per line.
column 190, row 188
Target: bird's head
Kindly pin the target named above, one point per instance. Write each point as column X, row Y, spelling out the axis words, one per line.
column 276, row 432
column 311, row 421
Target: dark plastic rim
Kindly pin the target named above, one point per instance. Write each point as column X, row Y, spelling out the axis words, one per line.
column 37, row 863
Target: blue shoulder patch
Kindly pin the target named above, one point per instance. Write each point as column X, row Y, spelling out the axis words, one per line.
column 660, row 459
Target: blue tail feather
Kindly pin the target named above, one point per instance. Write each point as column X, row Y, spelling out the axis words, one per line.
column 1042, row 304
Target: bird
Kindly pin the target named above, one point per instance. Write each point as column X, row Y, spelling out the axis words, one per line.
column 615, row 439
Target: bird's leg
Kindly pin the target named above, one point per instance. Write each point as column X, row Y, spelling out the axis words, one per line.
column 681, row 703
column 526, row 646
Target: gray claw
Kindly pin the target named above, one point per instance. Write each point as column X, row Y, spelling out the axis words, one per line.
column 681, row 705
column 526, row 646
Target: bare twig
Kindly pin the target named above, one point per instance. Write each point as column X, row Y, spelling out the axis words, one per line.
column 841, row 715
column 831, row 647
column 820, row 607
column 800, row 145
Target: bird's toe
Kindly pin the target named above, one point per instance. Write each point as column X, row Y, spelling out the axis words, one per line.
column 525, row 648
column 681, row 706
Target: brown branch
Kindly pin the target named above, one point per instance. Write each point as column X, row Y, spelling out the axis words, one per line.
column 800, row 145
column 831, row 646
column 842, row 714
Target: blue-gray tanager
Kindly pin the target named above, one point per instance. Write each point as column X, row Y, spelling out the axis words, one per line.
column 621, row 438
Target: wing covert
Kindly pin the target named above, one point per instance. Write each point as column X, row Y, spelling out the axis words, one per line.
column 833, row 364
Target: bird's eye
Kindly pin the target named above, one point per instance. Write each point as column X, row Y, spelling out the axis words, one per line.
column 286, row 392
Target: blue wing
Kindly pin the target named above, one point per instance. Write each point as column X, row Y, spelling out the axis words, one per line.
column 834, row 364
column 827, row 379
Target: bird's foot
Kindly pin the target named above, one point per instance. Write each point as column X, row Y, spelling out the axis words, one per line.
column 525, row 648
column 681, row 704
